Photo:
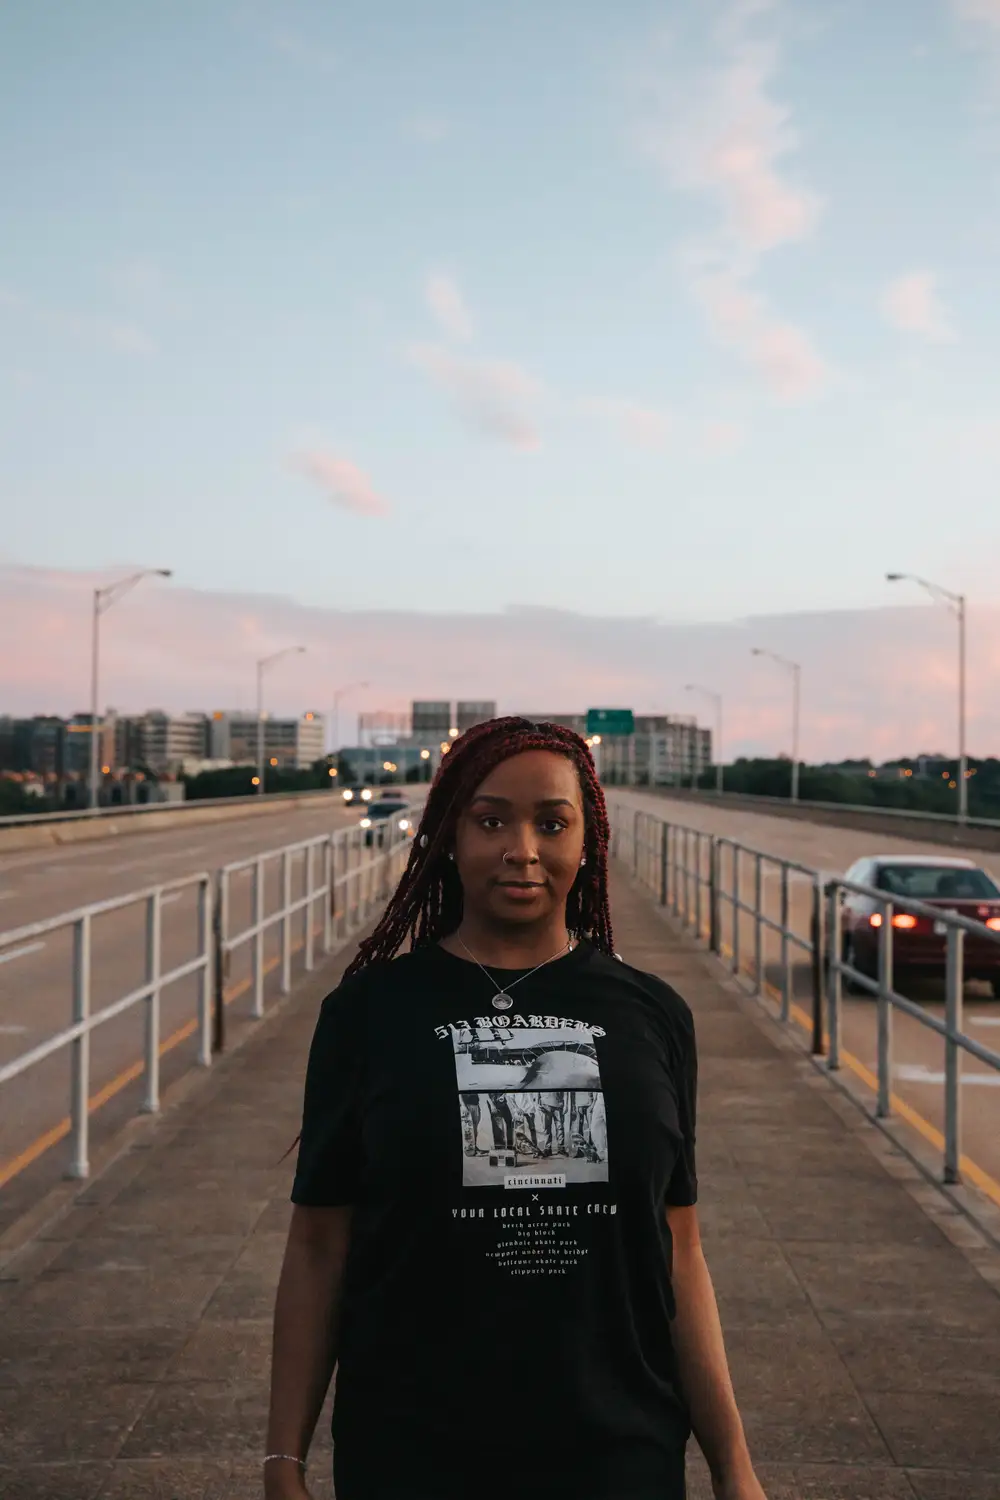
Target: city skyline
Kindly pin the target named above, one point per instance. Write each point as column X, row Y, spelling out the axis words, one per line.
column 875, row 683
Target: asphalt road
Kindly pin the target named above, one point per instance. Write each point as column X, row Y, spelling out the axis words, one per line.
column 36, row 976
column 918, row 1052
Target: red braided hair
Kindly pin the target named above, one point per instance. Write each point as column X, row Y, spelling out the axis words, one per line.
column 427, row 903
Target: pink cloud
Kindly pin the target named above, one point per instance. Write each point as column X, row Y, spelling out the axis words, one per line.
column 445, row 300
column 987, row 11
column 344, row 483
column 912, row 304
column 877, row 682
column 495, row 397
column 780, row 352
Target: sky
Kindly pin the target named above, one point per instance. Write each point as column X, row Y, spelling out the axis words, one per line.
column 652, row 325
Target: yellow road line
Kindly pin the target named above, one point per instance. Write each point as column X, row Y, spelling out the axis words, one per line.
column 30, row 1154
column 969, row 1169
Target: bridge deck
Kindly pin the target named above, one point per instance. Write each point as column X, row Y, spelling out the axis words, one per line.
column 861, row 1312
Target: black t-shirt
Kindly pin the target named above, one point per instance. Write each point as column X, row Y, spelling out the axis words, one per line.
column 507, row 1298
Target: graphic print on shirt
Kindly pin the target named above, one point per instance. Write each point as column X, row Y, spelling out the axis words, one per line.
column 531, row 1107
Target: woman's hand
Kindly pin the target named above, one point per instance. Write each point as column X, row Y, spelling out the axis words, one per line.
column 745, row 1486
column 284, row 1481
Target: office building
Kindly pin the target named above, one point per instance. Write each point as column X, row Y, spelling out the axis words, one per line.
column 293, row 744
column 468, row 715
column 163, row 741
column 431, row 721
column 664, row 751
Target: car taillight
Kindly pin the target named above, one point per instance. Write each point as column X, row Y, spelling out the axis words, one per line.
column 993, row 923
column 875, row 920
column 904, row 919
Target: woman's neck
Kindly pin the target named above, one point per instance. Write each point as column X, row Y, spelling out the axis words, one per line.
column 507, row 947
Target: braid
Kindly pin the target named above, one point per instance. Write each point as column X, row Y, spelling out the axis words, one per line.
column 427, row 903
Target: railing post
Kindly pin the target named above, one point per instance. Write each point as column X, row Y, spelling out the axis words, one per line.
column 79, row 1164
column 664, row 858
column 954, row 979
column 737, row 899
column 786, row 968
column 257, row 950
column 308, row 936
column 218, row 968
column 883, row 1108
column 675, row 870
column 635, row 844
column 151, row 1102
column 205, row 976
column 758, row 923
column 328, row 848
column 714, row 939
column 698, row 902
column 834, row 945
column 286, row 923
column 816, row 932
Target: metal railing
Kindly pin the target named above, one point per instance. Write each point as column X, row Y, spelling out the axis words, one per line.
column 344, row 877
column 700, row 879
column 870, row 809
column 137, row 809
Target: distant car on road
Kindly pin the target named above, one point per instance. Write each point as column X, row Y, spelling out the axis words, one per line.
column 353, row 795
column 919, row 943
column 378, row 815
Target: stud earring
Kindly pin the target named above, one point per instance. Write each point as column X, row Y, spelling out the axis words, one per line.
column 583, row 861
column 451, row 857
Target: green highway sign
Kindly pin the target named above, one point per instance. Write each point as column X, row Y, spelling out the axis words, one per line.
column 610, row 721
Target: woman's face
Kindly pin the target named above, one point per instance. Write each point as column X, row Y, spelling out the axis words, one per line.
column 531, row 809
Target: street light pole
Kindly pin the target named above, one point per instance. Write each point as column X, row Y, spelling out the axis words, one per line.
column 693, row 687
column 796, row 673
column 957, row 604
column 266, row 661
column 103, row 600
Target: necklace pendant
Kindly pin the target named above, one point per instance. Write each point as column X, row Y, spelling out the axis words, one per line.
column 502, row 1002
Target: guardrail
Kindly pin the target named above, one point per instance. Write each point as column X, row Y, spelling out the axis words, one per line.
column 137, row 809
column 340, row 878
column 869, row 809
column 698, row 877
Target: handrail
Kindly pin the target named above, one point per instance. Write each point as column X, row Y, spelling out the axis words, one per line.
column 870, row 809
column 136, row 809
column 347, row 887
column 685, row 868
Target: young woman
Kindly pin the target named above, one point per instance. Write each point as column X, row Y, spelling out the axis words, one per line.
column 494, row 1237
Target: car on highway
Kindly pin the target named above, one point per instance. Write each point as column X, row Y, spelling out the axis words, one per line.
column 354, row 795
column 377, row 817
column 919, row 943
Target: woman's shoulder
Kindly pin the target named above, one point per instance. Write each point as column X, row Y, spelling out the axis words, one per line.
column 375, row 979
column 670, row 1006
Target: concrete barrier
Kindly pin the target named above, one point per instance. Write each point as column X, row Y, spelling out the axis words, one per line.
column 108, row 826
column 901, row 824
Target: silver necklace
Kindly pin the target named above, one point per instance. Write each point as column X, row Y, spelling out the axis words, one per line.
column 501, row 1000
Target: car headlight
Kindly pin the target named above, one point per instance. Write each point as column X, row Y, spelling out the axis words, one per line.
column 404, row 824
column 366, row 796
column 366, row 822
column 348, row 796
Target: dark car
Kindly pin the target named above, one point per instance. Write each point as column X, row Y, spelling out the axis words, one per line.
column 378, row 815
column 919, row 943
column 355, row 796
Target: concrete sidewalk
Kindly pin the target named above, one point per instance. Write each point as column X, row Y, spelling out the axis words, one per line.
column 861, row 1310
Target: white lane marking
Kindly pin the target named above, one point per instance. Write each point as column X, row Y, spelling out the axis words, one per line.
column 6, row 895
column 13, row 1030
column 917, row 1073
column 983, row 1020
column 21, row 952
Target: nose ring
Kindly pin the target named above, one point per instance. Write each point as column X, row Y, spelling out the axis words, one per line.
column 506, row 859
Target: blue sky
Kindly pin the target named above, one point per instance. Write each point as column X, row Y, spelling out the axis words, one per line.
column 449, row 306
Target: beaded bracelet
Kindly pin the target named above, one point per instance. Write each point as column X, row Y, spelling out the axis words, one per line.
column 270, row 1457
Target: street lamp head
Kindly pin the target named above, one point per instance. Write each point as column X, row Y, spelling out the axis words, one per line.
column 894, row 577
column 164, row 572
